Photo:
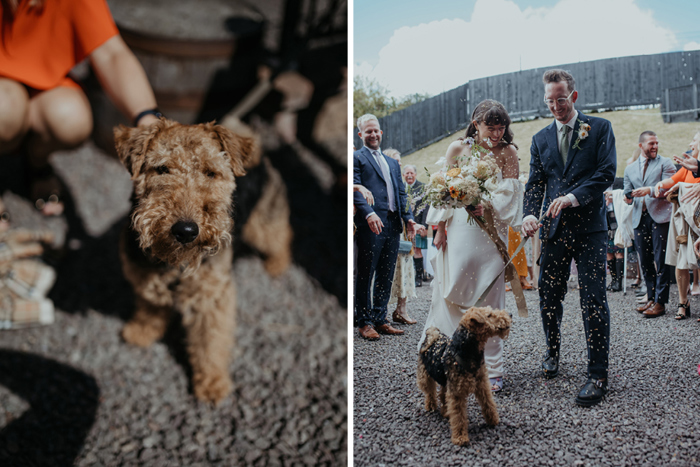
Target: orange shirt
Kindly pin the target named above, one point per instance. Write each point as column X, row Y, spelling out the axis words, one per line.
column 40, row 45
column 684, row 175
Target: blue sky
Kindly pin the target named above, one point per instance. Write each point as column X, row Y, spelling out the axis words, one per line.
column 414, row 45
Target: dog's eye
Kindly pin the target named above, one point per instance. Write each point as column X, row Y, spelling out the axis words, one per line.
column 162, row 170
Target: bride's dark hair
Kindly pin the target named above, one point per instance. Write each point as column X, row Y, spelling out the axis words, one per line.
column 491, row 112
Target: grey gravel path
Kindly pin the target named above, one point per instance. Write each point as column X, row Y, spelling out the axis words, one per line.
column 650, row 417
column 73, row 393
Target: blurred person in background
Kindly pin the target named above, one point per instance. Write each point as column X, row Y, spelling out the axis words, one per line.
column 405, row 282
column 42, row 109
column 679, row 235
column 414, row 192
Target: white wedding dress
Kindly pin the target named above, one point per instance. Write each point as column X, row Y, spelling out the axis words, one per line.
column 468, row 264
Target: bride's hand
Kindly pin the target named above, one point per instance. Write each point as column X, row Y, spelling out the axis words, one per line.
column 477, row 211
column 440, row 239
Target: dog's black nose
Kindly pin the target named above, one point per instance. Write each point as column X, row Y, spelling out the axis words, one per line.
column 185, row 231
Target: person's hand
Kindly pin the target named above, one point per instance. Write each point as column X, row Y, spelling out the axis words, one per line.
column 608, row 197
column 530, row 226
column 440, row 239
column 557, row 206
column 692, row 194
column 366, row 194
column 627, row 200
column 657, row 189
column 672, row 189
column 421, row 230
column 411, row 229
column 375, row 223
column 696, row 247
column 477, row 210
column 639, row 192
column 686, row 161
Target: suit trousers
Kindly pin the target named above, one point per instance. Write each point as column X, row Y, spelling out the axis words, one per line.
column 589, row 252
column 650, row 242
column 376, row 259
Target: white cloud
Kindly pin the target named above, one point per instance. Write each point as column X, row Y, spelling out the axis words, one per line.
column 500, row 38
column 691, row 46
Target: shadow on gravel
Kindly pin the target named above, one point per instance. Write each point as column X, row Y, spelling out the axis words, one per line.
column 63, row 404
column 91, row 276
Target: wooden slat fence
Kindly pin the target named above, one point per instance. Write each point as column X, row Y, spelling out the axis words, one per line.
column 611, row 83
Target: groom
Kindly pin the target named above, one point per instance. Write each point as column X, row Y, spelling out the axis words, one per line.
column 572, row 162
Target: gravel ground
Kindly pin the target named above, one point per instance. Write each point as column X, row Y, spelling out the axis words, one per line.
column 73, row 393
column 648, row 418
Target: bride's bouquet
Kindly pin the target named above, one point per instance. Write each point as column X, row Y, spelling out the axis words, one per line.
column 465, row 184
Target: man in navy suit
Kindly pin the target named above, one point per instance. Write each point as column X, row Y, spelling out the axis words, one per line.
column 573, row 161
column 378, row 229
column 650, row 218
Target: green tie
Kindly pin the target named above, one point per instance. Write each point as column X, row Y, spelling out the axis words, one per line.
column 564, row 144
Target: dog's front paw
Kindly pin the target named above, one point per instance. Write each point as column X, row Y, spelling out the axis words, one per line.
column 462, row 440
column 212, row 388
column 140, row 334
column 430, row 405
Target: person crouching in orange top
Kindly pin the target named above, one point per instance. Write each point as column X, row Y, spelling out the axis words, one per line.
column 41, row 108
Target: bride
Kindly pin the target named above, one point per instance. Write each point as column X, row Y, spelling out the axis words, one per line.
column 468, row 260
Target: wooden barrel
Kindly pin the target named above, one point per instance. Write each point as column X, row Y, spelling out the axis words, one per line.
column 186, row 48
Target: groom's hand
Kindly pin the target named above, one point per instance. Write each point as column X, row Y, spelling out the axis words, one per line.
column 557, row 205
column 375, row 224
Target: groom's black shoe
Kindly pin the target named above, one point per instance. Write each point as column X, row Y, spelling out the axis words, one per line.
column 592, row 392
column 550, row 367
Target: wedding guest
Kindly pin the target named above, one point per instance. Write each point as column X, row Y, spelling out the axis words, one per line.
column 567, row 181
column 414, row 191
column 42, row 109
column 378, row 229
column 678, row 228
column 404, row 284
column 650, row 218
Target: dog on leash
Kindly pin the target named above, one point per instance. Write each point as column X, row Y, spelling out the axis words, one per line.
column 457, row 365
column 177, row 253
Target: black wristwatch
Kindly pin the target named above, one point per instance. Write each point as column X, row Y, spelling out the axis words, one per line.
column 153, row 111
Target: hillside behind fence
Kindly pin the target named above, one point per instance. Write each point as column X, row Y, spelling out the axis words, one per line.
column 611, row 83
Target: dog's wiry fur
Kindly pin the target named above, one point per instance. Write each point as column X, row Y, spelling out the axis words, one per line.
column 457, row 365
column 184, row 173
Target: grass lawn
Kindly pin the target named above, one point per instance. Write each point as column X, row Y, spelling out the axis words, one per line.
column 627, row 125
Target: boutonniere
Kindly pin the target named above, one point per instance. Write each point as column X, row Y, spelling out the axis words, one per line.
column 583, row 131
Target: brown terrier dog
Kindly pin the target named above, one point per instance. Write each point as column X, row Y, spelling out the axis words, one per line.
column 177, row 251
column 457, row 365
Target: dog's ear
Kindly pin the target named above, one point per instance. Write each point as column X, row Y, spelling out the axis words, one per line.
column 132, row 144
column 244, row 151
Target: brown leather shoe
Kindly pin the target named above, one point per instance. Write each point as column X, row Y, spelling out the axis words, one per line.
column 403, row 319
column 387, row 329
column 646, row 306
column 654, row 312
column 368, row 332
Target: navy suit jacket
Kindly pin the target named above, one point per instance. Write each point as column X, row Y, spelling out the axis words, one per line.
column 589, row 171
column 367, row 172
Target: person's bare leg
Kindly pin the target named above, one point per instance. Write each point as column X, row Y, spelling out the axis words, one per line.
column 14, row 114
column 59, row 118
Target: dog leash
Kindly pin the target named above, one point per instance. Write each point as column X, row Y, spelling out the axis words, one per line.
column 517, row 288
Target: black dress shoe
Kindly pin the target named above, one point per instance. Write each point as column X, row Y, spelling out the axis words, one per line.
column 550, row 366
column 592, row 392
